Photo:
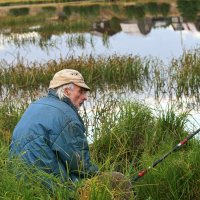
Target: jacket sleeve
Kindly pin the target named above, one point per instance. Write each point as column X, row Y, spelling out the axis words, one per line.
column 72, row 149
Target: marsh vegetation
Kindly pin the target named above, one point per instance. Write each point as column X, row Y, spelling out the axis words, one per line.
column 125, row 133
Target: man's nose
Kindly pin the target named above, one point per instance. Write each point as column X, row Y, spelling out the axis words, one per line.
column 85, row 96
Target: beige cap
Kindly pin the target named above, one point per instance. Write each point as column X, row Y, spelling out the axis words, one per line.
column 68, row 76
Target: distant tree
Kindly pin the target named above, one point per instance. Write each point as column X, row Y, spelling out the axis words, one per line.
column 84, row 11
column 115, row 24
column 67, row 10
column 189, row 9
column 164, row 9
column 137, row 11
column 152, row 8
column 115, row 8
column 129, row 11
column 49, row 9
column 19, row 11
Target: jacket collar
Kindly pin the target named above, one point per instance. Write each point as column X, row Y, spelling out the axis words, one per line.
column 52, row 92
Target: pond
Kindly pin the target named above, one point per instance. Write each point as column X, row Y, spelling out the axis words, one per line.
column 42, row 33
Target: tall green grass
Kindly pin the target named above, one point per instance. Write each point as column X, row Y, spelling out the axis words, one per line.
column 185, row 75
column 134, row 129
column 129, row 137
column 175, row 178
column 136, row 138
column 180, row 79
column 9, row 116
column 114, row 71
column 19, row 182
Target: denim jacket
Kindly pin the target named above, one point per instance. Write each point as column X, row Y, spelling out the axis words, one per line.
column 50, row 136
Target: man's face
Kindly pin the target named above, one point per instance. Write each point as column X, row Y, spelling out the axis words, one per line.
column 77, row 95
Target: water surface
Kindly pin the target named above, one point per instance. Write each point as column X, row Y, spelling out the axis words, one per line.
column 159, row 30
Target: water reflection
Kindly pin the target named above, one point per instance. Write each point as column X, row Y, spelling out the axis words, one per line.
column 94, row 29
column 189, row 9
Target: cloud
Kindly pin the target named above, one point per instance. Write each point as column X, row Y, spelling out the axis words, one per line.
column 197, row 35
column 2, row 47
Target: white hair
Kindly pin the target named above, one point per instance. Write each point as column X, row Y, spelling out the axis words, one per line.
column 61, row 90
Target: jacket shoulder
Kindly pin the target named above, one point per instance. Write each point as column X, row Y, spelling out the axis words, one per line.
column 58, row 107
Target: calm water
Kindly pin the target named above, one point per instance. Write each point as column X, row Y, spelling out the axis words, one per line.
column 163, row 31
column 163, row 43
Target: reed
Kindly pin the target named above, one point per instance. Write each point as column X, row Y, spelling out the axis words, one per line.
column 180, row 79
column 20, row 22
column 114, row 71
column 185, row 75
column 77, row 41
column 9, row 116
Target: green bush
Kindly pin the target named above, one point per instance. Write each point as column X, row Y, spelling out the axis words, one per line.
column 19, row 11
column 49, row 9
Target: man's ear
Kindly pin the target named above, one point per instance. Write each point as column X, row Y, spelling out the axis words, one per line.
column 67, row 91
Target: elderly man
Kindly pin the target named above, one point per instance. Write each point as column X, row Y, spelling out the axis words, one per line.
column 50, row 135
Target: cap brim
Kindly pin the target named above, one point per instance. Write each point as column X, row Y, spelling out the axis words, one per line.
column 83, row 85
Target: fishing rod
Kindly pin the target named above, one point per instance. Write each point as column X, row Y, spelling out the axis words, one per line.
column 143, row 172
